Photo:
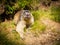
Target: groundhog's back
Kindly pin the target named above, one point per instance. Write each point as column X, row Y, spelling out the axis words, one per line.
column 17, row 17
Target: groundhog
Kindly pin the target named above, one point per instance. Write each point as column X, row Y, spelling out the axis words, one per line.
column 23, row 19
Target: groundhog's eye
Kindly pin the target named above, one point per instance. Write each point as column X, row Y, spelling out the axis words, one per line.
column 27, row 11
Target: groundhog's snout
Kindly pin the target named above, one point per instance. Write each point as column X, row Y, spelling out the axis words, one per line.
column 28, row 16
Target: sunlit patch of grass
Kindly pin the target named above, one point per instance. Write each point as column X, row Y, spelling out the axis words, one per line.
column 38, row 26
column 36, row 14
column 41, row 13
column 8, row 24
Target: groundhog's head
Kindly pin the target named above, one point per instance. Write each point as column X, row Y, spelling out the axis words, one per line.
column 26, row 14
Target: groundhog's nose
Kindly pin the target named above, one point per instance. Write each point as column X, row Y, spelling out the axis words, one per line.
column 27, row 14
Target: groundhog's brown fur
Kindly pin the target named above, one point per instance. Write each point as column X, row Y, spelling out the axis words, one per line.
column 16, row 17
column 21, row 23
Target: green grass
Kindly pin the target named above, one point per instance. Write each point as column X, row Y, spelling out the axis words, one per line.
column 52, row 13
column 55, row 13
column 36, row 15
column 38, row 26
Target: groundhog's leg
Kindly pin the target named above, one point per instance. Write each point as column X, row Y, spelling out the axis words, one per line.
column 32, row 20
column 20, row 28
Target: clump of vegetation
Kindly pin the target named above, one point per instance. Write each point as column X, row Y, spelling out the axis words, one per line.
column 12, row 6
column 55, row 13
column 36, row 15
column 38, row 26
